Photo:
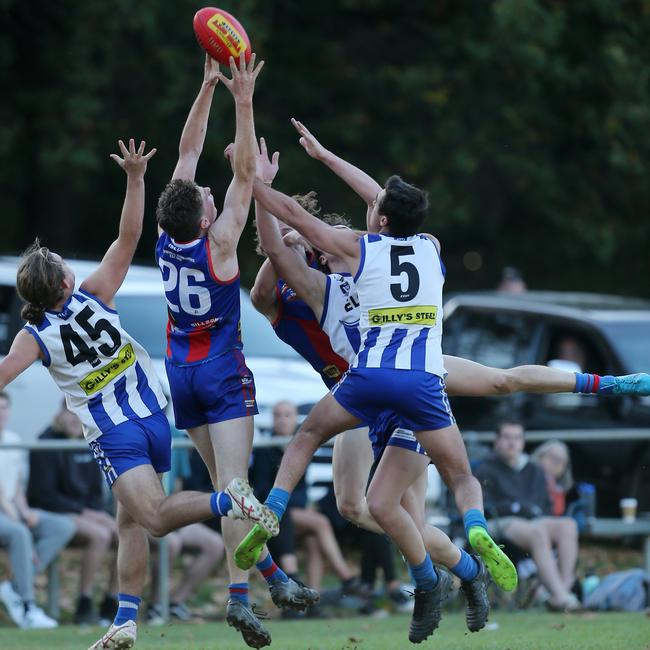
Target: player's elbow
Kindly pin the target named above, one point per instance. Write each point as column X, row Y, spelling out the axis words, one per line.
column 189, row 154
column 259, row 298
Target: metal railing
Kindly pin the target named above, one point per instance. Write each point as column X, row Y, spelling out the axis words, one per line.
column 584, row 435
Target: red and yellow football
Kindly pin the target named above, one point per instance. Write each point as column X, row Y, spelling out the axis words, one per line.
column 221, row 35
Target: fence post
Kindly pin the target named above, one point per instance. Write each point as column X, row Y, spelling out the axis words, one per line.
column 53, row 589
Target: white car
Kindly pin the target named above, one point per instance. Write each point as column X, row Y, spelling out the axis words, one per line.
column 279, row 372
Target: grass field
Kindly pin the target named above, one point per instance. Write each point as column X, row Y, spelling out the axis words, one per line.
column 514, row 631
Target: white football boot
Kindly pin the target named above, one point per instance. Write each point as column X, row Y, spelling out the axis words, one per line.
column 117, row 637
column 246, row 506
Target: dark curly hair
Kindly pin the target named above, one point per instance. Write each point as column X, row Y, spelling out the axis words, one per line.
column 38, row 282
column 179, row 210
column 405, row 206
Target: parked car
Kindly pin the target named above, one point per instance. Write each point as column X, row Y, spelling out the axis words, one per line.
column 143, row 313
column 599, row 333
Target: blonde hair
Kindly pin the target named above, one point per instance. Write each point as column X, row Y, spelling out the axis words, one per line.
column 565, row 480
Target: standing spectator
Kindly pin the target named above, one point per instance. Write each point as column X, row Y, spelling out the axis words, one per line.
column 515, row 490
column 512, row 281
column 70, row 483
column 553, row 457
column 308, row 523
column 33, row 537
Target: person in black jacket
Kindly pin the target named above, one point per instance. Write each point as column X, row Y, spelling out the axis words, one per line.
column 516, row 492
column 70, row 482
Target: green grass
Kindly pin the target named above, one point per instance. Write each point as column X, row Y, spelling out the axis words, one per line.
column 515, row 631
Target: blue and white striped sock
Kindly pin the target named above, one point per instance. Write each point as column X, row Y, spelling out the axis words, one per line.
column 127, row 609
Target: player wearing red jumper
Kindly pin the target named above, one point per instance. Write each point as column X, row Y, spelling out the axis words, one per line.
column 213, row 392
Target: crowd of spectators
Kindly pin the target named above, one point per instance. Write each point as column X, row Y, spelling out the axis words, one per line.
column 64, row 502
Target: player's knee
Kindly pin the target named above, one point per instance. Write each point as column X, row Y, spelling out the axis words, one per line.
column 157, row 530
column 503, row 383
column 349, row 509
column 154, row 525
column 378, row 506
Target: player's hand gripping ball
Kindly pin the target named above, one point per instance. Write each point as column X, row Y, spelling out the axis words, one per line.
column 221, row 35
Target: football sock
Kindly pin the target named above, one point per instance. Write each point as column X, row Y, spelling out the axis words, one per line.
column 127, row 609
column 271, row 571
column 277, row 501
column 473, row 517
column 589, row 383
column 466, row 568
column 220, row 503
column 239, row 591
column 424, row 575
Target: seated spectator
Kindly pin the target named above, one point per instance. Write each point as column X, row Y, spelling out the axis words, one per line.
column 70, row 482
column 313, row 527
column 33, row 537
column 569, row 348
column 515, row 490
column 209, row 549
column 553, row 457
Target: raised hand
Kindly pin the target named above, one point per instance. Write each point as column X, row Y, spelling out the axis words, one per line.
column 211, row 71
column 308, row 141
column 265, row 168
column 134, row 163
column 242, row 84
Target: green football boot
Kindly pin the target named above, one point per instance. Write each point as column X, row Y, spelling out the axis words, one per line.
column 498, row 564
column 247, row 554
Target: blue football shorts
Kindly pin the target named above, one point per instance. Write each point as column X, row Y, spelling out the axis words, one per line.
column 217, row 390
column 145, row 441
column 418, row 398
column 386, row 432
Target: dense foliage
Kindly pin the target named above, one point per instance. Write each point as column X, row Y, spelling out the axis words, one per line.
column 528, row 121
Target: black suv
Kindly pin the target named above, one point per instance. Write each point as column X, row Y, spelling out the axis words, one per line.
column 602, row 334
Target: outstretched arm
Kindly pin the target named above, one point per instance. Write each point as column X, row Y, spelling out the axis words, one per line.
column 263, row 294
column 193, row 136
column 227, row 229
column 109, row 275
column 365, row 186
column 337, row 241
column 287, row 259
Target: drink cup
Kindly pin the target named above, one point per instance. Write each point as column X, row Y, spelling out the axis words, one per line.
column 628, row 509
